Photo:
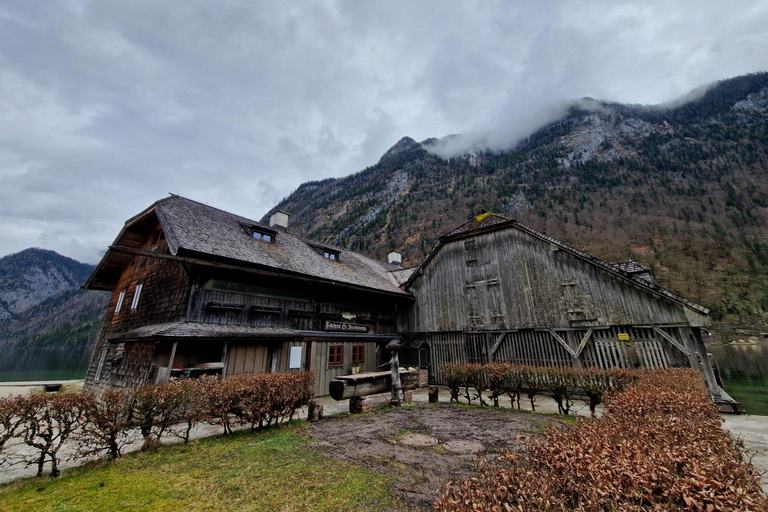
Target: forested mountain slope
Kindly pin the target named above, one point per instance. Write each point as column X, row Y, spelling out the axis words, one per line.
column 41, row 303
column 682, row 189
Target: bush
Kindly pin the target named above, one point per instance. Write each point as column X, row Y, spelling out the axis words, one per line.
column 106, row 425
column 47, row 422
column 103, row 425
column 659, row 446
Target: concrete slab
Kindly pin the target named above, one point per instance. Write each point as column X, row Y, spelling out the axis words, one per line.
column 753, row 430
column 417, row 440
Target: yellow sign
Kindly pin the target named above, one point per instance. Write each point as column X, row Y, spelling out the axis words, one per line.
column 623, row 336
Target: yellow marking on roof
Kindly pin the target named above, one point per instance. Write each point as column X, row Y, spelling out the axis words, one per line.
column 482, row 217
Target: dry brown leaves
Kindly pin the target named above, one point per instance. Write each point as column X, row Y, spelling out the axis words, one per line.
column 660, row 446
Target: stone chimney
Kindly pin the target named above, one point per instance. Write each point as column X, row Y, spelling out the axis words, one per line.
column 395, row 257
column 279, row 220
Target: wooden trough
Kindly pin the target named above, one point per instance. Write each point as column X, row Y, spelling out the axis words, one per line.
column 365, row 384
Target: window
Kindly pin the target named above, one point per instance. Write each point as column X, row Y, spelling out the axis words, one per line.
column 330, row 254
column 136, row 296
column 264, row 237
column 103, row 357
column 336, row 355
column 120, row 300
column 358, row 354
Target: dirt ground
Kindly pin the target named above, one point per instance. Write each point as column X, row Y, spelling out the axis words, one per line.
column 379, row 441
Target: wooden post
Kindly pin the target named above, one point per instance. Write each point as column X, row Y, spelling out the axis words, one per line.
column 173, row 356
column 397, row 393
column 225, row 360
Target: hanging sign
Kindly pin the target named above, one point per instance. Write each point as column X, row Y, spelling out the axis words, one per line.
column 344, row 327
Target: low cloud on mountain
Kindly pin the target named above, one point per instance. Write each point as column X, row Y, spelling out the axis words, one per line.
column 106, row 107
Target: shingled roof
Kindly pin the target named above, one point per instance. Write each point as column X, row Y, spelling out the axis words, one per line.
column 193, row 229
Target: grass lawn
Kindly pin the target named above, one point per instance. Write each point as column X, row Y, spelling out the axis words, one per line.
column 274, row 470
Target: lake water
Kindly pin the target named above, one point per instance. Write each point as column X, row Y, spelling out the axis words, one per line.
column 43, row 364
column 744, row 369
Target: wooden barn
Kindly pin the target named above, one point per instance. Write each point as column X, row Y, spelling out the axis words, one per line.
column 197, row 290
column 496, row 290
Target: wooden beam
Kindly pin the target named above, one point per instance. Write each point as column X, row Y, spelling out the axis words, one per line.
column 173, row 356
column 584, row 341
column 365, row 384
column 499, row 340
column 224, row 360
column 673, row 341
column 563, row 343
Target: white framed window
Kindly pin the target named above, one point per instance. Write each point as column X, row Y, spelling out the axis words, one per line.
column 136, row 296
column 103, row 357
column 120, row 300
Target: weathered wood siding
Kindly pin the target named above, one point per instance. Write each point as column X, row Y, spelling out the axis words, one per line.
column 163, row 298
column 324, row 373
column 222, row 307
column 645, row 349
column 508, row 279
column 247, row 358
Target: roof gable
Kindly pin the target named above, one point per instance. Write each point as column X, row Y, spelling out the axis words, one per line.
column 487, row 222
column 193, row 229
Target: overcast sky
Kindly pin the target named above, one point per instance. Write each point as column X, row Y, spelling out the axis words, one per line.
column 107, row 106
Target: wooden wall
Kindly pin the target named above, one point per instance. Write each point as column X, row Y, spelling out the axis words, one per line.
column 508, row 279
column 222, row 307
column 248, row 357
column 324, row 374
column 645, row 349
column 163, row 298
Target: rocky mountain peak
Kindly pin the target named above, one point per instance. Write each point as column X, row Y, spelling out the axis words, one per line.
column 402, row 146
column 34, row 275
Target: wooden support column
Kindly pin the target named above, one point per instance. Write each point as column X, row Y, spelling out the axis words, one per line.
column 397, row 393
column 173, row 356
column 224, row 360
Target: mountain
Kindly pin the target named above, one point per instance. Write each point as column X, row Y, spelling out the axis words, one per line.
column 41, row 304
column 682, row 188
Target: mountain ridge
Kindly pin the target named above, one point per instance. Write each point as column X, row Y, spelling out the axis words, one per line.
column 41, row 303
column 681, row 188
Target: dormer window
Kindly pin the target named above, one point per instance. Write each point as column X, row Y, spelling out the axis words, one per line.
column 264, row 237
column 330, row 254
column 261, row 233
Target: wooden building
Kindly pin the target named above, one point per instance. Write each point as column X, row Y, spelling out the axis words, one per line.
column 199, row 290
column 496, row 290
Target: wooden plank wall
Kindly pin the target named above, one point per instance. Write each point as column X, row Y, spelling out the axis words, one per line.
column 248, row 358
column 263, row 311
column 646, row 349
column 511, row 280
column 324, row 374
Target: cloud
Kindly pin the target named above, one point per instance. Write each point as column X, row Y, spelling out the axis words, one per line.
column 106, row 107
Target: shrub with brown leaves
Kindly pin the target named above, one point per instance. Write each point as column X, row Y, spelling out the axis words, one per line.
column 48, row 421
column 106, row 425
column 659, row 446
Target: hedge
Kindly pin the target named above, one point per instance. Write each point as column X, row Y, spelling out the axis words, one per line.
column 563, row 384
column 658, row 446
column 96, row 426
